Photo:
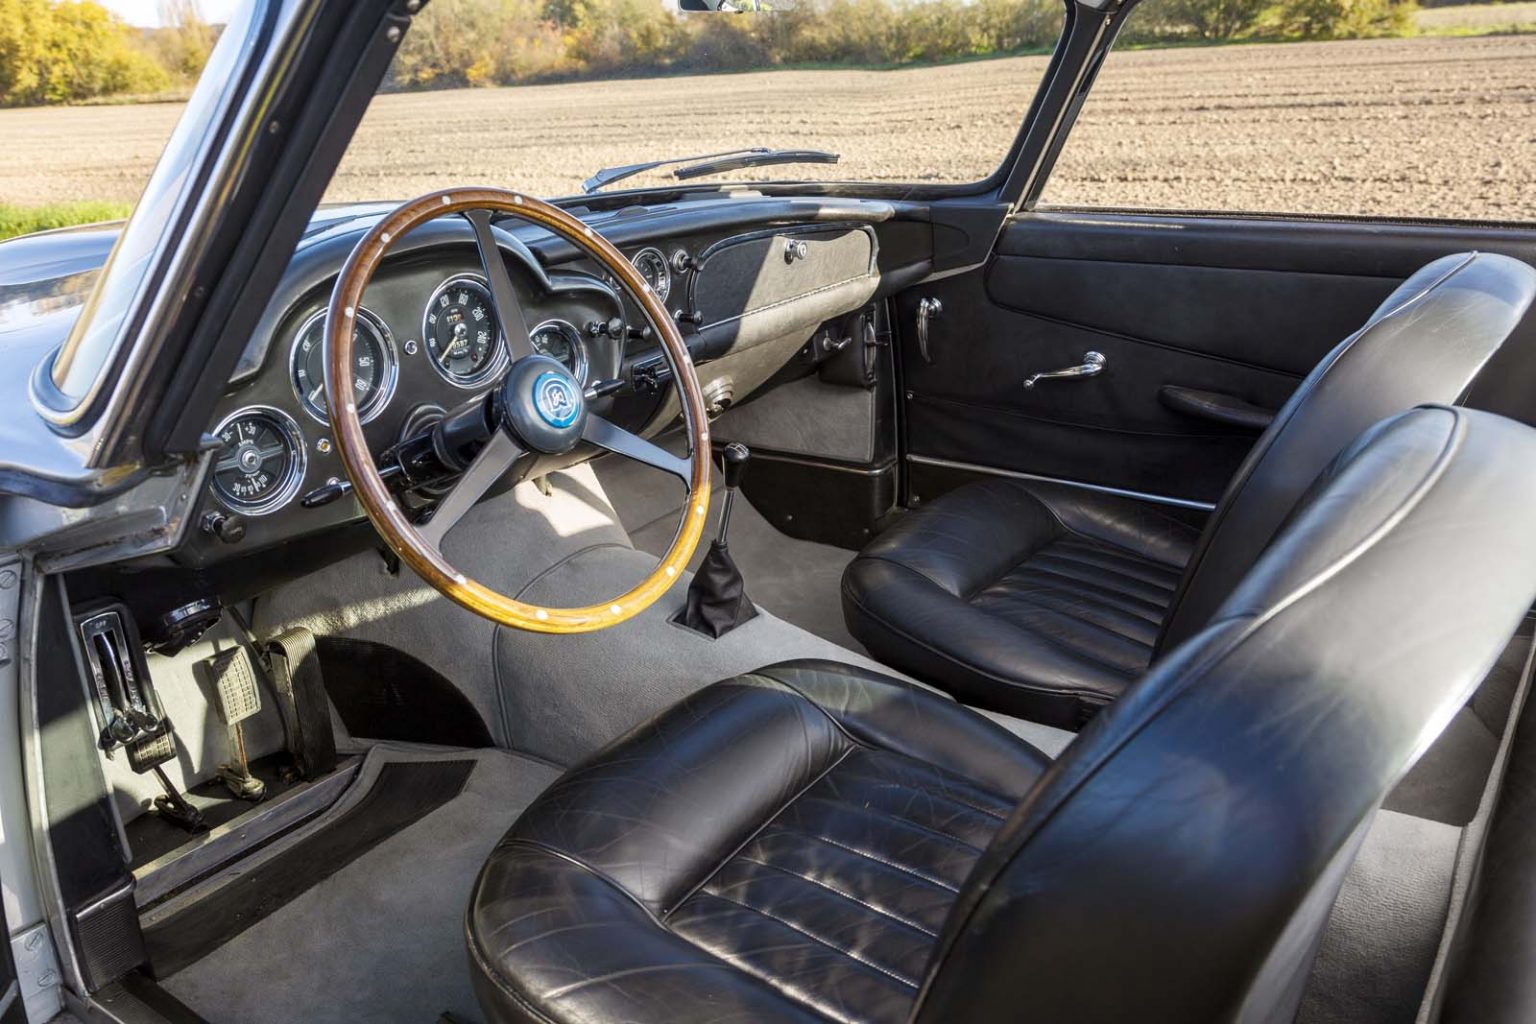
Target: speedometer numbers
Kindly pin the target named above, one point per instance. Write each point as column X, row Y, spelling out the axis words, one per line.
column 375, row 366
column 260, row 462
column 460, row 334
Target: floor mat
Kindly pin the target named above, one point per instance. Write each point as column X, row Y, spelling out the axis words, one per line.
column 380, row 939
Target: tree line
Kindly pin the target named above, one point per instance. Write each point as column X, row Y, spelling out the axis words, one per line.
column 70, row 51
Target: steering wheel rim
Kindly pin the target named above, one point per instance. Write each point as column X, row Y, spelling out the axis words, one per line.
column 419, row 546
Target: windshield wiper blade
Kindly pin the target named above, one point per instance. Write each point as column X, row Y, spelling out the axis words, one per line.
column 711, row 163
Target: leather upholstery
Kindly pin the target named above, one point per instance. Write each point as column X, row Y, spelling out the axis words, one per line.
column 1015, row 637
column 1039, row 600
column 781, row 846
column 813, row 842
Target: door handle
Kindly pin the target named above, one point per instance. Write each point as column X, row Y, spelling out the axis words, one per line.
column 1092, row 365
column 927, row 309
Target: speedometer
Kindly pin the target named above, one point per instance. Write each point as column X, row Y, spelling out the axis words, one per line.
column 657, row 272
column 260, row 462
column 374, row 366
column 459, row 329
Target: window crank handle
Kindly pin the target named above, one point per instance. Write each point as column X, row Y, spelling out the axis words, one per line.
column 1092, row 365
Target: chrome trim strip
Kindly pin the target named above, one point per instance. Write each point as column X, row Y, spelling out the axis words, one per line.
column 1159, row 499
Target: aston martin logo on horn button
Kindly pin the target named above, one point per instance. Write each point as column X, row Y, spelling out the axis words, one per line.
column 556, row 399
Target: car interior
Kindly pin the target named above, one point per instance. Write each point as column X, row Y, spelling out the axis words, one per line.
column 771, row 604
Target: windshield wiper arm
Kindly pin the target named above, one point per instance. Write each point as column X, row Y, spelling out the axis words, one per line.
column 711, row 163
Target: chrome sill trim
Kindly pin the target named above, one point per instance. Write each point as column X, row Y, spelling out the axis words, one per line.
column 1159, row 499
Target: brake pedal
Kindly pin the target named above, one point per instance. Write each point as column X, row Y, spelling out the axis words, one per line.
column 237, row 698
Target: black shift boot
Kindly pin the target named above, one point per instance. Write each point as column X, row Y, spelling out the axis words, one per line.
column 717, row 597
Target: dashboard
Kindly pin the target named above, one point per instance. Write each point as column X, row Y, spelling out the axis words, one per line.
column 747, row 297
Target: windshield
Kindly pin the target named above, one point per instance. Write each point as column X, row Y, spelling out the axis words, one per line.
column 539, row 96
column 79, row 365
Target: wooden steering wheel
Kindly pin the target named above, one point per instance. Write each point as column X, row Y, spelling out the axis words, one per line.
column 537, row 409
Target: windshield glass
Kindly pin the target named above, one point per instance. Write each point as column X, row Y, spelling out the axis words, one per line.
column 538, row 95
column 79, row 364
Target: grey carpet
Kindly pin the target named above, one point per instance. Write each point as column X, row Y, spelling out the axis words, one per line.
column 564, row 696
column 382, row 939
column 1448, row 781
column 799, row 581
column 1381, row 938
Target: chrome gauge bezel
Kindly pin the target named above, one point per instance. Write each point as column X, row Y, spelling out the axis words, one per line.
column 499, row 359
column 578, row 345
column 381, row 395
column 666, row 270
column 290, row 487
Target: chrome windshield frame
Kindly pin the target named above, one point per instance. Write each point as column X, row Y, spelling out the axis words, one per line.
column 183, row 192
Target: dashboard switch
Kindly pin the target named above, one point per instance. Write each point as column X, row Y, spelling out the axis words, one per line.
column 229, row 528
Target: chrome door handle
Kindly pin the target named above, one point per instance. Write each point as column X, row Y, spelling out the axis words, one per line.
column 1092, row 365
column 927, row 309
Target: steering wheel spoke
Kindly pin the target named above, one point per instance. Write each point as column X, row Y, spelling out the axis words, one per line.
column 498, row 456
column 616, row 439
column 509, row 312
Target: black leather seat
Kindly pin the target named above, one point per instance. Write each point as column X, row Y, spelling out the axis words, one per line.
column 811, row 842
column 1046, row 601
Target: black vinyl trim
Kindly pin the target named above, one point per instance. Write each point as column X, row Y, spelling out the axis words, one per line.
column 403, row 793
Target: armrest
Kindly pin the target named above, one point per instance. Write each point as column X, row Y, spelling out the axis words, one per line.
column 1216, row 407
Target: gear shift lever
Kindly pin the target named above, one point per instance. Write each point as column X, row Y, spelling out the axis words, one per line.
column 717, row 597
column 734, row 456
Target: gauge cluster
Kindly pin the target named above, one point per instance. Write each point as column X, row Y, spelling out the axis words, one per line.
column 426, row 341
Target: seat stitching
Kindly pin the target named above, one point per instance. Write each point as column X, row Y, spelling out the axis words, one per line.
column 1020, row 581
column 845, row 895
column 935, row 793
column 881, row 812
column 767, row 821
column 814, row 938
column 1062, row 644
column 1115, row 578
column 525, row 1002
column 1074, row 553
column 870, row 856
column 1079, row 692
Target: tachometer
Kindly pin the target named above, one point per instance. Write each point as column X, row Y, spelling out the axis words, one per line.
column 460, row 333
column 654, row 268
column 561, row 341
column 374, row 366
column 260, row 462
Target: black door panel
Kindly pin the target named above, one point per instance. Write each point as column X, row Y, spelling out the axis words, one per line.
column 1206, row 325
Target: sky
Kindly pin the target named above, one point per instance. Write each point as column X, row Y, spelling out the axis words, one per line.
column 146, row 13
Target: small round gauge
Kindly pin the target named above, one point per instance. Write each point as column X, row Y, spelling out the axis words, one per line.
column 260, row 462
column 562, row 341
column 374, row 365
column 654, row 268
column 460, row 334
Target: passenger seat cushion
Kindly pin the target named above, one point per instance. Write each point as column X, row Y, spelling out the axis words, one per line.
column 779, row 846
column 1035, row 599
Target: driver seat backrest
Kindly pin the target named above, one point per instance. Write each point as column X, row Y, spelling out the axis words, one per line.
column 1179, row 861
column 1417, row 347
